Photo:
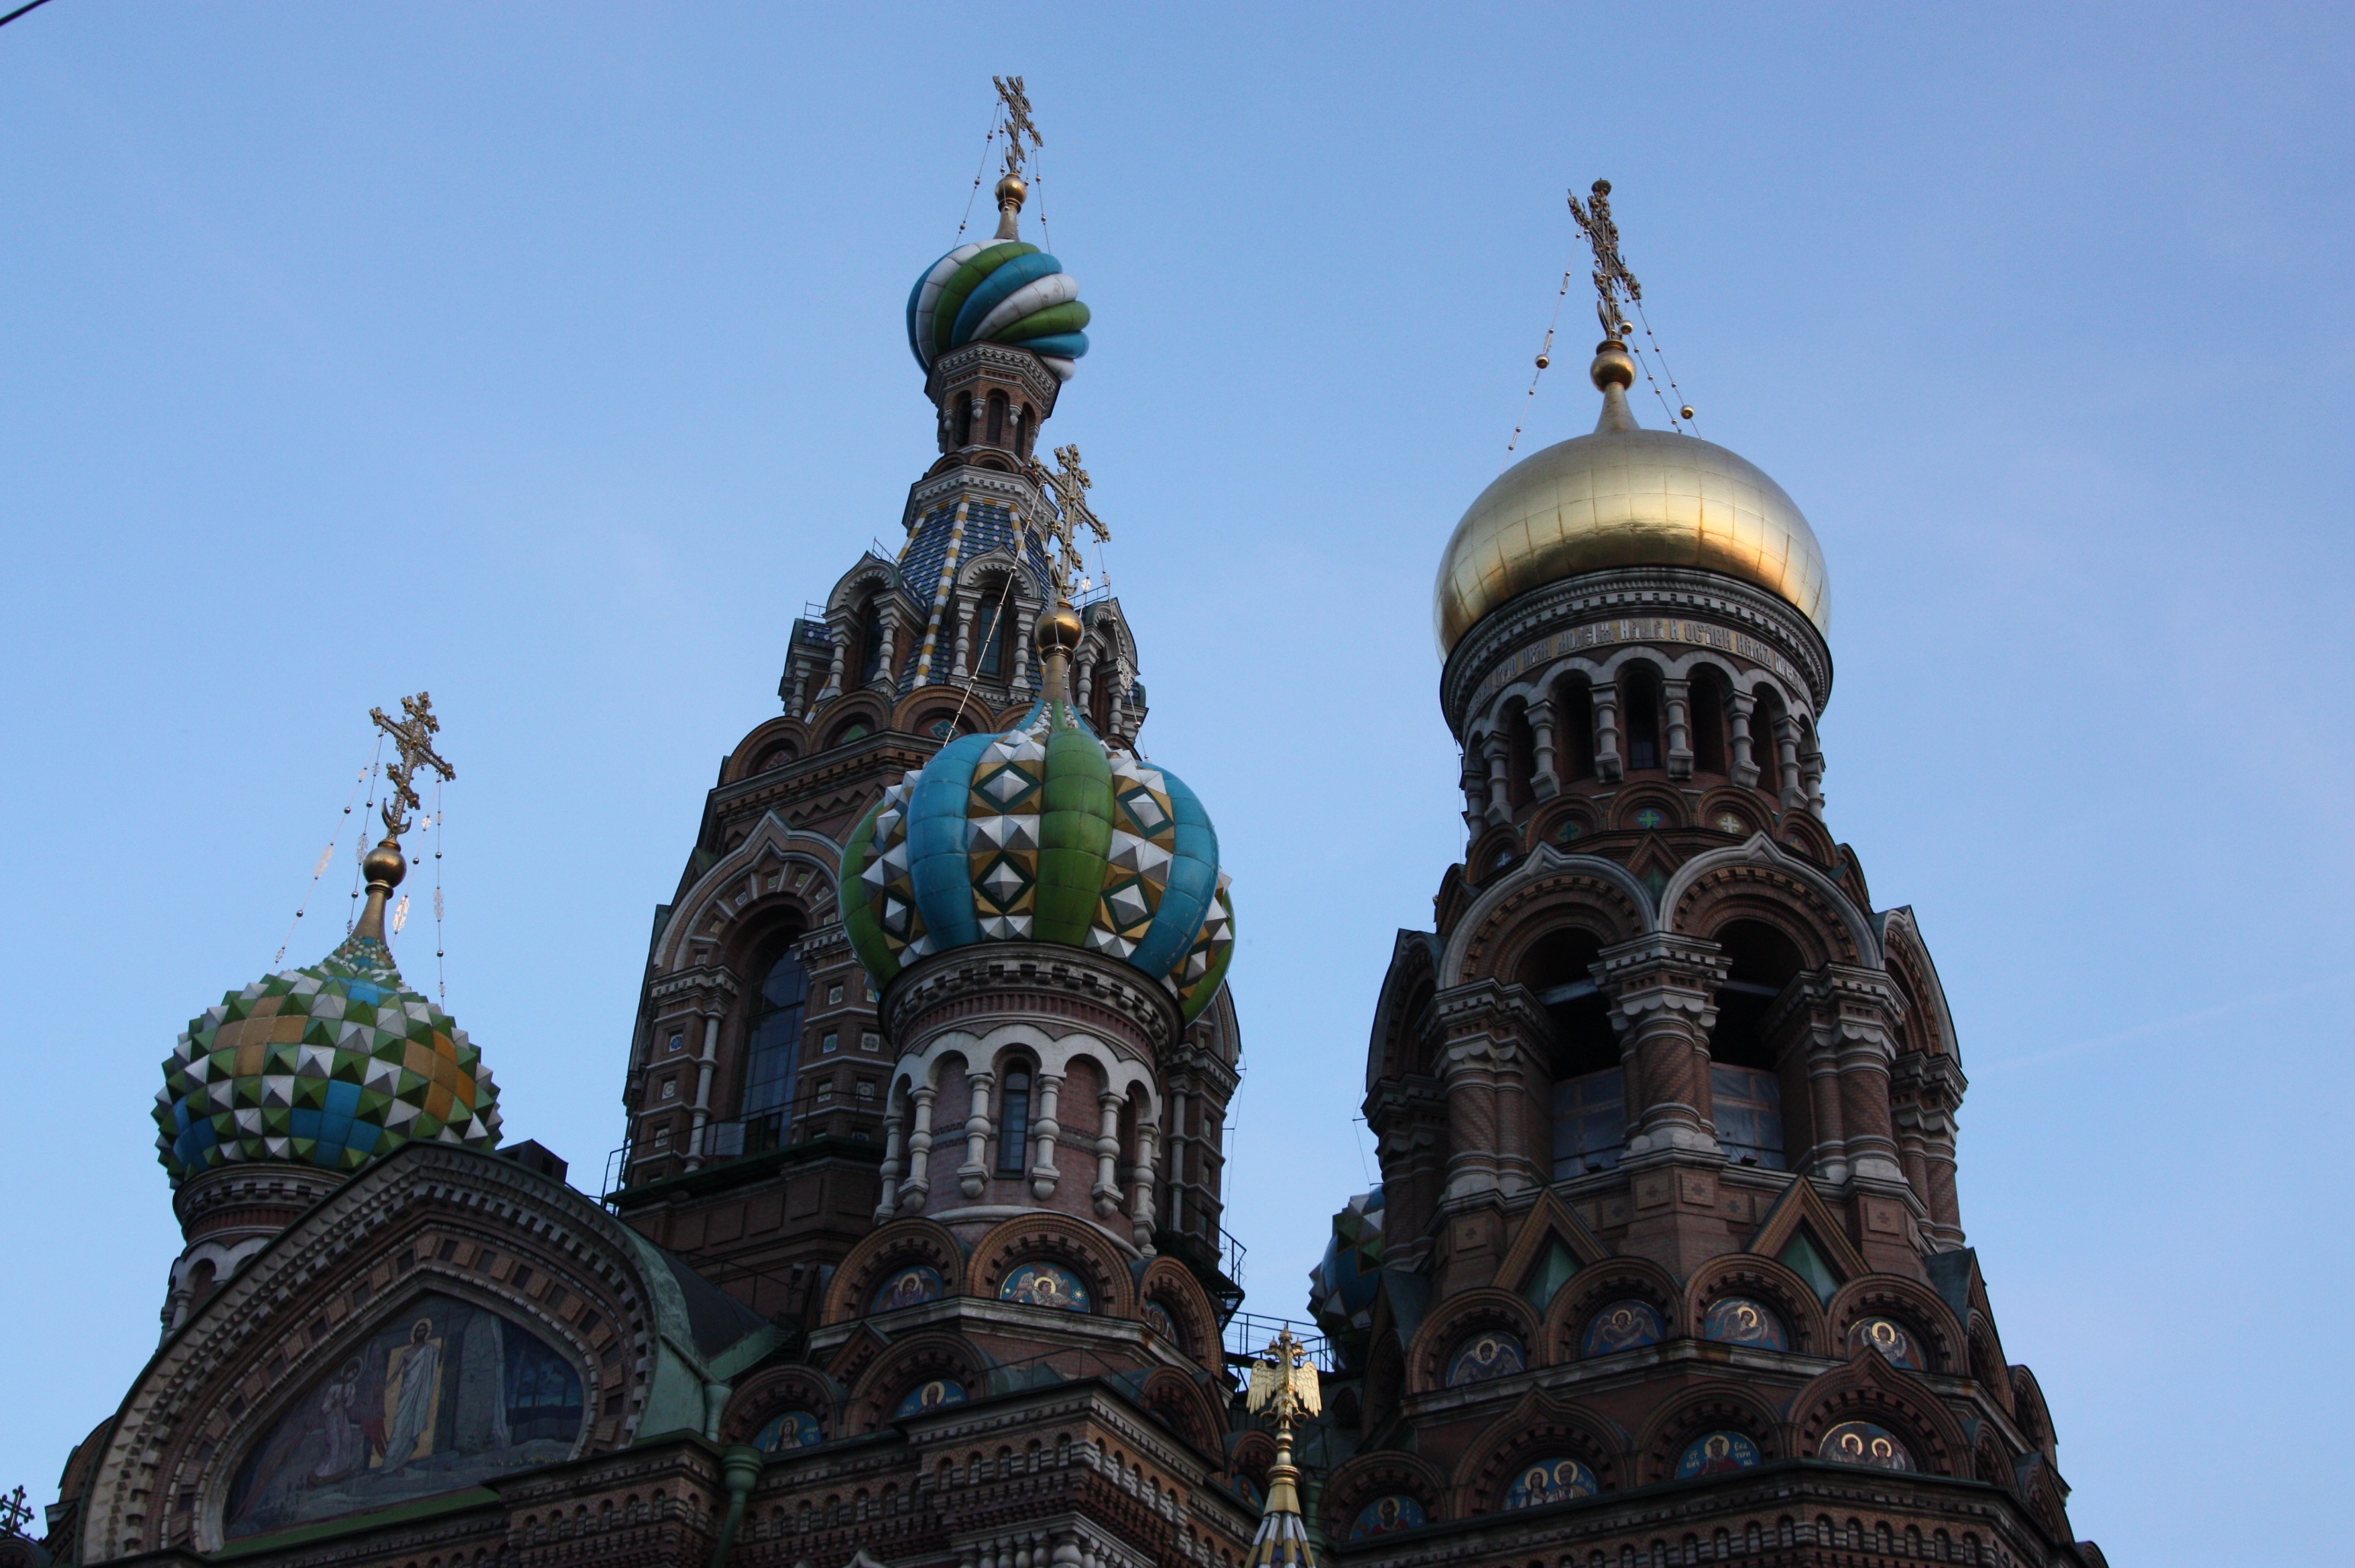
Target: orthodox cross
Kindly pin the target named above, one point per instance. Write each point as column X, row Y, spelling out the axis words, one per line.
column 1069, row 486
column 1612, row 278
column 15, row 1513
column 1283, row 1385
column 1018, row 121
column 413, row 733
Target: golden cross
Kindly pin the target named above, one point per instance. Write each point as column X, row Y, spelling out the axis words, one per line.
column 413, row 734
column 1018, row 121
column 1068, row 486
column 1612, row 277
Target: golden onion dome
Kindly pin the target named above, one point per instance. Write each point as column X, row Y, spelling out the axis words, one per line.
column 1627, row 496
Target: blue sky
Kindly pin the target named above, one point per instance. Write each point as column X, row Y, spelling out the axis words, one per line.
column 550, row 357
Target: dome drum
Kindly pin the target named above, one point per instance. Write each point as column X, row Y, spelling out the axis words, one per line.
column 967, row 989
column 1596, row 615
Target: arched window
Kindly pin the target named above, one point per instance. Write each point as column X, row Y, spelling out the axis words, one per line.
column 1708, row 723
column 1100, row 696
column 1589, row 1087
column 993, row 630
column 871, row 639
column 965, row 419
column 998, row 405
column 773, row 1051
column 1745, row 1093
column 1639, row 697
column 1520, row 756
column 1026, row 431
column 1574, row 728
column 1014, row 1123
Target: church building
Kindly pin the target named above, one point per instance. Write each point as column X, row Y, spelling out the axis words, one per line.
column 912, row 1255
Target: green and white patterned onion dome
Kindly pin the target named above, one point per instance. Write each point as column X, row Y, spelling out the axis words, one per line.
column 1042, row 834
column 331, row 1065
column 1001, row 291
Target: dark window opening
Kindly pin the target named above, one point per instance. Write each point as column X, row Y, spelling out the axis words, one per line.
column 1708, row 725
column 1747, row 1106
column 1026, row 431
column 997, row 419
column 1100, row 700
column 870, row 640
column 773, row 1051
column 1559, row 970
column 1574, row 731
column 1013, row 1125
column 965, row 419
column 1765, row 960
column 992, row 624
column 1765, row 749
column 1639, row 696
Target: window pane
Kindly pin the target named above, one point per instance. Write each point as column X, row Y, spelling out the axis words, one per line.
column 774, row 1045
column 1014, row 1126
column 1749, row 1115
column 1590, row 1123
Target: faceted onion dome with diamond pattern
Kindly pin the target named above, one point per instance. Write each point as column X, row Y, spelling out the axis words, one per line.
column 1003, row 290
column 1042, row 834
column 330, row 1065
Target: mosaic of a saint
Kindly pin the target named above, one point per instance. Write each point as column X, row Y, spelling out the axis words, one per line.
column 1491, row 1355
column 1392, row 1511
column 1045, row 1285
column 1621, row 1326
column 1551, row 1481
column 1738, row 1320
column 1888, row 1337
column 936, row 1394
column 911, row 1286
column 1715, row 1454
column 442, row 1397
column 1862, row 1443
column 789, row 1430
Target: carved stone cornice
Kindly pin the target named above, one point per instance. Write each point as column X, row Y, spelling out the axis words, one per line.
column 1934, row 1082
column 1504, row 1015
column 1600, row 610
column 1662, row 972
column 257, row 1198
column 705, row 988
column 1042, row 980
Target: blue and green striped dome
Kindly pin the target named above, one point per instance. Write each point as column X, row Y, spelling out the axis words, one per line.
column 1006, row 291
column 1042, row 834
column 330, row 1065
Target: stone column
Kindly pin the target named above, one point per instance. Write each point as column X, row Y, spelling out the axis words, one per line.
column 704, row 1067
column 1500, row 761
column 1866, row 1011
column 1680, row 750
column 1786, row 751
column 1546, row 783
column 888, row 1201
column 1745, row 767
column 1021, row 680
column 1663, row 993
column 973, row 1176
column 1044, row 1173
column 838, row 630
column 1475, row 792
column 919, row 1184
column 1811, row 779
column 964, row 656
column 1929, row 1089
column 1608, row 766
column 1141, row 1177
column 887, row 664
column 1086, row 665
column 1106, row 1191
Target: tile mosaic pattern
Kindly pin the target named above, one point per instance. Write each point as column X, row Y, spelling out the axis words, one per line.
column 329, row 1065
column 1043, row 834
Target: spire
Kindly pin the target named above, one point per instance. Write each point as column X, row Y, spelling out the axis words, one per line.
column 1059, row 629
column 1011, row 188
column 1283, row 1387
column 412, row 735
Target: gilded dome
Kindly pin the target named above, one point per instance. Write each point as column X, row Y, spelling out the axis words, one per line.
column 1627, row 496
column 1042, row 834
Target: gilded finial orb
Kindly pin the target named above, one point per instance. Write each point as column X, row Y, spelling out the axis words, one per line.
column 1012, row 191
column 1686, row 412
column 385, row 864
column 1544, row 360
column 1059, row 630
column 1613, row 367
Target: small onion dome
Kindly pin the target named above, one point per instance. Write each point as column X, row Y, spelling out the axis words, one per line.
column 330, row 1065
column 1006, row 291
column 1042, row 834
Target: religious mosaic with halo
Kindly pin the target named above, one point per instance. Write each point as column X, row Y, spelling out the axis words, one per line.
column 330, row 1065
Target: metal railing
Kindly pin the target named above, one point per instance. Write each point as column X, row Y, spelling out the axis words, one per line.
column 810, row 1115
column 1248, row 1335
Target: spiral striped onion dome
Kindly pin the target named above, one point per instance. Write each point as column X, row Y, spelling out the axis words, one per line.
column 1001, row 291
column 1042, row 834
column 331, row 1066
